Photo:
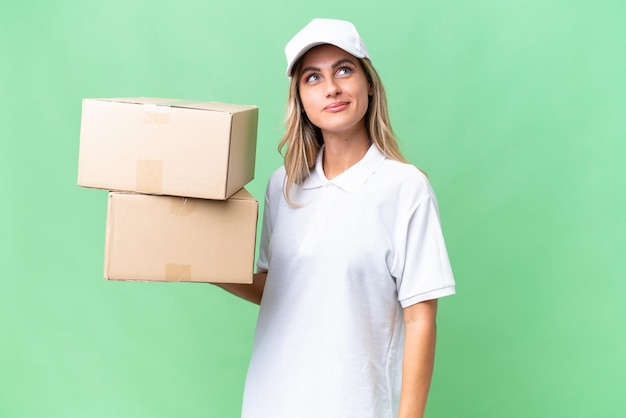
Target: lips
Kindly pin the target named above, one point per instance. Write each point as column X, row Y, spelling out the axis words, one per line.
column 336, row 107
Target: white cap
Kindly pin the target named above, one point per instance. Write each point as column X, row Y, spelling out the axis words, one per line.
column 340, row 33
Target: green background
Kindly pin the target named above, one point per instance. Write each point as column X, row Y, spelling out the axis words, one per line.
column 515, row 108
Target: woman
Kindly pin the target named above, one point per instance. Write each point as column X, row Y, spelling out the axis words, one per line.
column 352, row 258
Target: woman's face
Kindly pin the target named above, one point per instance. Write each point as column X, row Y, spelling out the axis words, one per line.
column 334, row 90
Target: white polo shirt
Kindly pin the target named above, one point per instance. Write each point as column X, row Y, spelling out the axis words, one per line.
column 329, row 337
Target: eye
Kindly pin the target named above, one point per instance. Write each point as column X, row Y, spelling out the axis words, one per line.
column 344, row 71
column 310, row 78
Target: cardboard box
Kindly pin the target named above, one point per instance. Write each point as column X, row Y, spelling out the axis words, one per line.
column 167, row 147
column 176, row 239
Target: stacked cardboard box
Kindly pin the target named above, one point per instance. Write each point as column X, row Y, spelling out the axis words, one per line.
column 176, row 172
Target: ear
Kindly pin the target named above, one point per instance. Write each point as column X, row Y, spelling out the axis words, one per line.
column 370, row 92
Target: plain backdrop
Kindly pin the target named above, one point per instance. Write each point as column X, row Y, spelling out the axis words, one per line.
column 515, row 108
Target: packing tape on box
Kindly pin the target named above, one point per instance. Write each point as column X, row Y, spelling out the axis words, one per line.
column 183, row 206
column 156, row 115
column 177, row 272
column 181, row 103
column 149, row 176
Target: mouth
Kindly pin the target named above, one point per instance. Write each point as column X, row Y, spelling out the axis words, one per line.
column 336, row 107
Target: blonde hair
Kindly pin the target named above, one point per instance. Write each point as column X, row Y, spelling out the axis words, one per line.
column 303, row 140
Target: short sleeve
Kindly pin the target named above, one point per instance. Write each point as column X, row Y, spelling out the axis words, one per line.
column 273, row 193
column 266, row 230
column 423, row 270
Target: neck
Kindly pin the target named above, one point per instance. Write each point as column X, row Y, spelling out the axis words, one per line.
column 343, row 151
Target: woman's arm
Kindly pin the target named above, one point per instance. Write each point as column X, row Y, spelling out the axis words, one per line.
column 250, row 292
column 419, row 357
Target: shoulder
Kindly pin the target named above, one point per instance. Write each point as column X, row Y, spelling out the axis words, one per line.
column 278, row 175
column 275, row 183
column 406, row 179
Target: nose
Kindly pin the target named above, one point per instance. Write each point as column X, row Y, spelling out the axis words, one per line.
column 332, row 87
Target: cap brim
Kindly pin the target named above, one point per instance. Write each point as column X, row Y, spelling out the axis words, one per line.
column 312, row 45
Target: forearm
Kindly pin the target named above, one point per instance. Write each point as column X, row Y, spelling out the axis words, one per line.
column 250, row 292
column 418, row 361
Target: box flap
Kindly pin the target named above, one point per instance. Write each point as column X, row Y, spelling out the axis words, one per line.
column 137, row 100
column 189, row 104
column 215, row 106
column 243, row 194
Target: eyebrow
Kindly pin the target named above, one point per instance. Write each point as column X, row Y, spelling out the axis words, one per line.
column 334, row 66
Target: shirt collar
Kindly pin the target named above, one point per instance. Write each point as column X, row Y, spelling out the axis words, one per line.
column 351, row 179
